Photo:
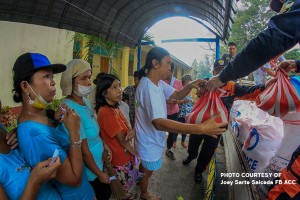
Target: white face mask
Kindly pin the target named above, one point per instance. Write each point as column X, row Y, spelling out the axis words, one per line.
column 39, row 101
column 82, row 90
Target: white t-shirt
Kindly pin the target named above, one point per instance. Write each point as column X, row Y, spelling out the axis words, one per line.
column 150, row 104
column 124, row 108
column 260, row 76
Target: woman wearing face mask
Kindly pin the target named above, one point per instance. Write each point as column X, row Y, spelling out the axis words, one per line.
column 76, row 85
column 38, row 138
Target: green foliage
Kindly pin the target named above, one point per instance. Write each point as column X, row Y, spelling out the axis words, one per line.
column 148, row 37
column 55, row 104
column 202, row 68
column 223, row 49
column 251, row 19
column 114, row 72
column 292, row 55
column 93, row 42
column 4, row 110
column 8, row 119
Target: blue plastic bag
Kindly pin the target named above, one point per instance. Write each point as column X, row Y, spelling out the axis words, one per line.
column 295, row 80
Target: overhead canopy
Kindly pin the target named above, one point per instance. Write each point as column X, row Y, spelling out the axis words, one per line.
column 121, row 21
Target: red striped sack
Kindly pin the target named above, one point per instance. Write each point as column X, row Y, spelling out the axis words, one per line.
column 280, row 98
column 208, row 105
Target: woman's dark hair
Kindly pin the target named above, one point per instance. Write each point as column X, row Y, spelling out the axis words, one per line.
column 156, row 53
column 186, row 78
column 17, row 86
column 102, row 85
column 98, row 77
column 136, row 74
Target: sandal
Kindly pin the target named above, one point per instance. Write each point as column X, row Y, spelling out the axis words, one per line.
column 174, row 145
column 170, row 154
column 184, row 144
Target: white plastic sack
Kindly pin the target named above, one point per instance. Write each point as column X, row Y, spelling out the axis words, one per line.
column 238, row 107
column 290, row 142
column 263, row 140
column 242, row 126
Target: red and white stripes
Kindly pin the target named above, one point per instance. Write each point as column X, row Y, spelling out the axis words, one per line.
column 207, row 106
column 280, row 98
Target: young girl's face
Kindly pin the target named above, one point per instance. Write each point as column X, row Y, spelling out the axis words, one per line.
column 114, row 93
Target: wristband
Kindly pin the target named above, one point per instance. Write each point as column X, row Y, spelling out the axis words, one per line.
column 75, row 144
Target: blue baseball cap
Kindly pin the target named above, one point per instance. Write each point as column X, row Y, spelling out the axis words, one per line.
column 31, row 62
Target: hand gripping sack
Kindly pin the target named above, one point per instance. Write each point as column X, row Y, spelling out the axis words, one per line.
column 280, row 98
column 208, row 105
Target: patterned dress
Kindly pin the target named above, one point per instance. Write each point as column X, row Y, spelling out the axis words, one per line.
column 130, row 90
column 186, row 108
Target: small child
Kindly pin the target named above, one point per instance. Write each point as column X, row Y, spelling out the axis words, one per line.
column 185, row 106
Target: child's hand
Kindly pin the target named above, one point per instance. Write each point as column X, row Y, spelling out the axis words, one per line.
column 211, row 127
column 287, row 66
column 171, row 101
column 104, row 178
column 201, row 90
column 109, row 152
column 130, row 135
column 270, row 82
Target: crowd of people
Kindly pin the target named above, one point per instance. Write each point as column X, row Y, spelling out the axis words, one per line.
column 80, row 138
column 60, row 153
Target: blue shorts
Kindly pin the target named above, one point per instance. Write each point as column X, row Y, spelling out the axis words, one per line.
column 152, row 166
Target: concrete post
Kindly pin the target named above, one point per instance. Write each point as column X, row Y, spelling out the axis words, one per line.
column 124, row 67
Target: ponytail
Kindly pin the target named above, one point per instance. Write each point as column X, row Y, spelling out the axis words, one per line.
column 156, row 53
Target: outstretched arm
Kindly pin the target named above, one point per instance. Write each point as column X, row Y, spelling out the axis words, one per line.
column 280, row 36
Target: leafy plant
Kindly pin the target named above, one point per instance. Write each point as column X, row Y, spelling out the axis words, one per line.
column 202, row 69
column 55, row 104
column 91, row 43
column 148, row 37
column 8, row 119
column 293, row 54
column 247, row 26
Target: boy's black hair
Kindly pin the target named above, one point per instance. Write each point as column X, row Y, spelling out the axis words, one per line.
column 231, row 44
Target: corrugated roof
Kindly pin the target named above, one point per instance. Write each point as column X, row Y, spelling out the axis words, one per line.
column 121, row 21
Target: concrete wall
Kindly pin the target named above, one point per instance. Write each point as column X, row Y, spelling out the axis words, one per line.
column 18, row 38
